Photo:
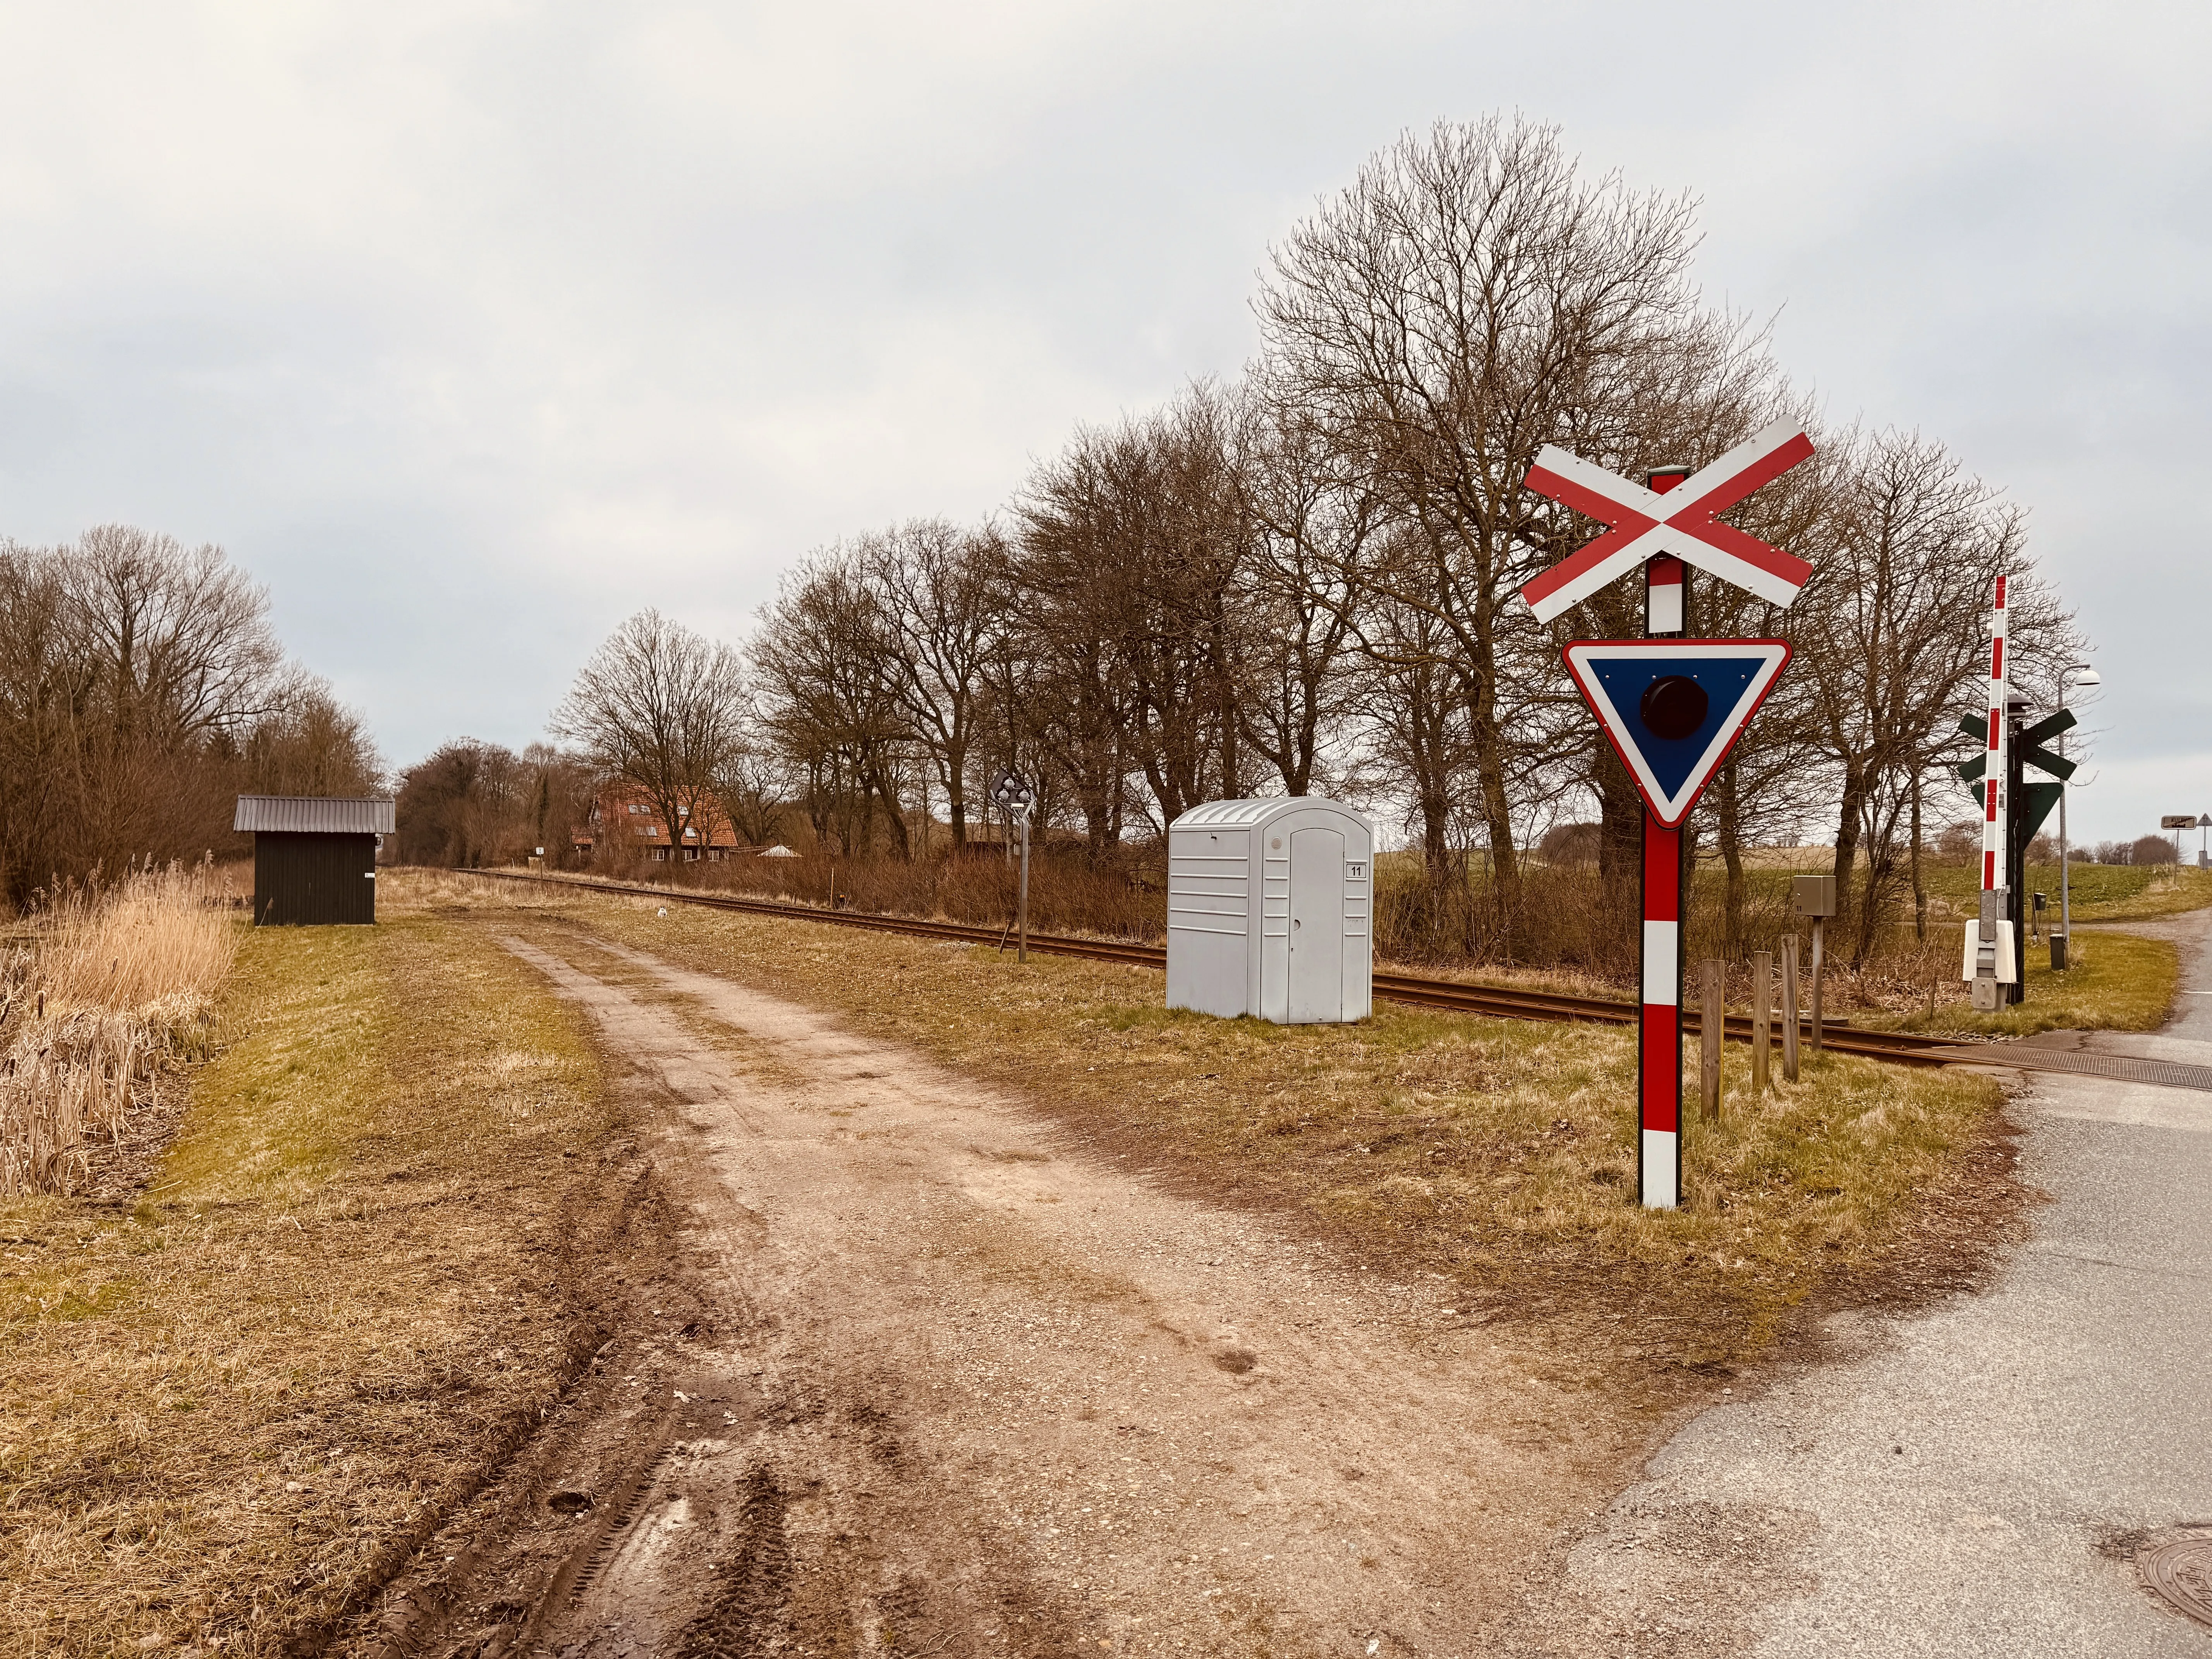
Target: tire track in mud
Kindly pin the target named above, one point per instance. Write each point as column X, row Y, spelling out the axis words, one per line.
column 925, row 1378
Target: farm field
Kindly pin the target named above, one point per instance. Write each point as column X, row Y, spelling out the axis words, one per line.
column 938, row 1296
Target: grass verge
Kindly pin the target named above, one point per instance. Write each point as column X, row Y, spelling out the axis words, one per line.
column 2113, row 982
column 2096, row 892
column 229, row 1407
column 1496, row 1151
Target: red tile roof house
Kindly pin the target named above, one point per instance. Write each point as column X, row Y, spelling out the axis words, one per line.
column 635, row 824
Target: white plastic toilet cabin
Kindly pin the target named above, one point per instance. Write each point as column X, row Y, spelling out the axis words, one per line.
column 1267, row 910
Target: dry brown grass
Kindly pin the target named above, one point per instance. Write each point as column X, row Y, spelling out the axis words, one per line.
column 1498, row 1152
column 227, row 1407
column 104, row 987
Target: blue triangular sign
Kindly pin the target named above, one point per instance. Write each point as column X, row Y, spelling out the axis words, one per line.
column 1672, row 708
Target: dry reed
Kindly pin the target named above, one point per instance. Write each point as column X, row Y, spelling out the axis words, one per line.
column 104, row 984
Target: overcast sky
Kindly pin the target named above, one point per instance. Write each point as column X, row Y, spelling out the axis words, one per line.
column 471, row 328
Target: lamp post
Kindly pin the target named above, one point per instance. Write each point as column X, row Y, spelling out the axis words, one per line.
column 2087, row 679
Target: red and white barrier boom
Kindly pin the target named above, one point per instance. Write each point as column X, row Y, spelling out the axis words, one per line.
column 1990, row 956
column 1672, row 707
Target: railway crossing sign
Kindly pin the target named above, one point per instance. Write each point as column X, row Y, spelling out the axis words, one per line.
column 1685, row 523
column 1011, row 792
column 1672, row 708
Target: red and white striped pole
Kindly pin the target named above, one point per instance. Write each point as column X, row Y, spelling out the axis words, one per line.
column 1990, row 945
column 1659, row 1045
column 1659, row 1035
column 1993, row 779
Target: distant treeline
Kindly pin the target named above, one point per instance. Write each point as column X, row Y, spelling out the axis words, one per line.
column 1306, row 580
column 142, row 691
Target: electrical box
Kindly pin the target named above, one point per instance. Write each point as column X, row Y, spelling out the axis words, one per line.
column 1269, row 909
column 1814, row 896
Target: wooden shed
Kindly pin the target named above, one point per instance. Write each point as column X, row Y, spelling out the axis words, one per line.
column 314, row 860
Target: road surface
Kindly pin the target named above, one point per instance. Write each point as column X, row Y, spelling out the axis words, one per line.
column 1973, row 1479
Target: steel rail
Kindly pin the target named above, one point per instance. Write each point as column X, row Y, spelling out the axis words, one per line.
column 1501, row 1002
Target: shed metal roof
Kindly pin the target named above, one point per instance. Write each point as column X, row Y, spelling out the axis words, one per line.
column 311, row 815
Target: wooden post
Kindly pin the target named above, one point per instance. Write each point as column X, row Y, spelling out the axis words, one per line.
column 1820, row 931
column 1712, row 1017
column 1791, row 1017
column 1762, row 1020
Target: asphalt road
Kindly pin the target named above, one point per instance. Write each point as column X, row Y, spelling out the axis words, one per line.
column 1973, row 1479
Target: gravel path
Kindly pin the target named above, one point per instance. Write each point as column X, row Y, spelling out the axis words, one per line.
column 976, row 1390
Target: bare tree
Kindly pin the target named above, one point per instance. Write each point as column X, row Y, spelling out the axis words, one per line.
column 755, row 790
column 1893, row 640
column 657, row 707
column 1132, row 547
column 827, row 666
column 135, row 675
column 1313, row 528
column 306, row 742
column 1469, row 299
column 942, row 596
column 466, row 805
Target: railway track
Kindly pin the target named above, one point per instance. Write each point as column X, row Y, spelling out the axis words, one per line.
column 1500, row 1002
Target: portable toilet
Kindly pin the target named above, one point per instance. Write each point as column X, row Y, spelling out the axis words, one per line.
column 1268, row 903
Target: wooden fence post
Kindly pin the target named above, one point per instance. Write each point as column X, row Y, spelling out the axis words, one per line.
column 1789, row 1016
column 1711, row 1017
column 1762, row 1021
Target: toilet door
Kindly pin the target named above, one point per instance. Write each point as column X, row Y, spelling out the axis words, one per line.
column 1316, row 989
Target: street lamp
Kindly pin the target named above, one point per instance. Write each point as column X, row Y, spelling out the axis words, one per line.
column 2087, row 679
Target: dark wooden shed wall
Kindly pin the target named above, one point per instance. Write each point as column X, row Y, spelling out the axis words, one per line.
column 301, row 881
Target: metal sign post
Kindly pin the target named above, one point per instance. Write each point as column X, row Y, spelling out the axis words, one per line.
column 1016, row 798
column 2178, row 822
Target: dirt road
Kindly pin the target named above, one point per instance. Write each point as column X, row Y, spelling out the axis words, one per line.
column 929, row 1378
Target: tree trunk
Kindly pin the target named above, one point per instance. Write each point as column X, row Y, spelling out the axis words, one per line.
column 1729, row 835
column 1850, row 819
column 1435, row 834
column 1919, row 883
column 883, row 789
